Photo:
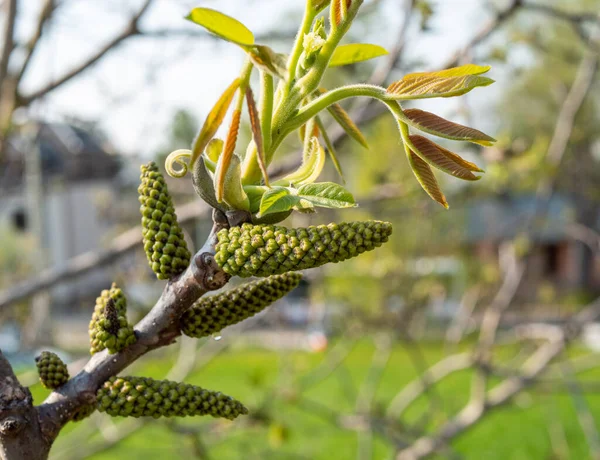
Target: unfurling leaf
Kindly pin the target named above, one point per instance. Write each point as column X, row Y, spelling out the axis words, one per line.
column 276, row 200
column 425, row 176
column 344, row 120
column 355, row 52
column 330, row 148
column 314, row 133
column 327, row 195
column 227, row 155
column 221, row 25
column 312, row 165
column 257, row 134
column 203, row 183
column 435, row 155
column 234, row 194
column 268, row 60
column 213, row 121
column 438, row 126
column 443, row 83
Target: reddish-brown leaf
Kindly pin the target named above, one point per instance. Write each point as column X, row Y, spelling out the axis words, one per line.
column 425, row 176
column 257, row 133
column 460, row 160
column 225, row 158
column 430, row 152
column 438, row 126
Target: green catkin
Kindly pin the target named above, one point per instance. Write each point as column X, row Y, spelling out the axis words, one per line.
column 263, row 250
column 109, row 327
column 164, row 243
column 53, row 372
column 146, row 397
column 212, row 314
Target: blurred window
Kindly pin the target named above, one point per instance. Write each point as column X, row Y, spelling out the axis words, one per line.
column 19, row 219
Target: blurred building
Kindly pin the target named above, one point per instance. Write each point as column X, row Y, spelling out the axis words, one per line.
column 75, row 183
column 558, row 257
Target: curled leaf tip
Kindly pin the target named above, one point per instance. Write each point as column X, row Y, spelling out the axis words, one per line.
column 178, row 157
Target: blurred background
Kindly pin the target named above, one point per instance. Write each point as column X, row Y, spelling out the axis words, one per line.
column 472, row 334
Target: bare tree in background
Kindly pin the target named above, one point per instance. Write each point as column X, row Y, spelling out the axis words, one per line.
column 551, row 340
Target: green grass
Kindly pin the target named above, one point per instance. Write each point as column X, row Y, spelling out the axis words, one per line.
column 517, row 431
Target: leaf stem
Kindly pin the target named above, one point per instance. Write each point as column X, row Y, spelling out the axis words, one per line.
column 325, row 100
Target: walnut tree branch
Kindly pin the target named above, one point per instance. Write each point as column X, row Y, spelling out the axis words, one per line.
column 158, row 328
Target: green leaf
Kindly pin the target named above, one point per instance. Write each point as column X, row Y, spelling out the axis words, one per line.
column 430, row 87
column 214, row 120
column 327, row 195
column 202, row 182
column 277, row 199
column 222, row 26
column 433, row 154
column 444, row 83
column 312, row 165
column 461, row 71
column 268, row 60
column 355, row 52
column 438, row 126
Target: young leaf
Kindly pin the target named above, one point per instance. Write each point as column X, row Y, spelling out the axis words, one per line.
column 214, row 149
column 327, row 195
column 214, row 120
column 425, row 176
column 438, row 126
column 344, row 120
column 276, row 200
column 312, row 165
column 222, row 26
column 460, row 160
column 330, row 148
column 234, row 194
column 268, row 60
column 227, row 155
column 202, row 182
column 257, row 134
column 461, row 71
column 302, row 131
column 432, row 153
column 428, row 86
column 355, row 52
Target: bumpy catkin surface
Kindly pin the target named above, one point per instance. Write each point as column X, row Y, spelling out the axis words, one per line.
column 264, row 250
